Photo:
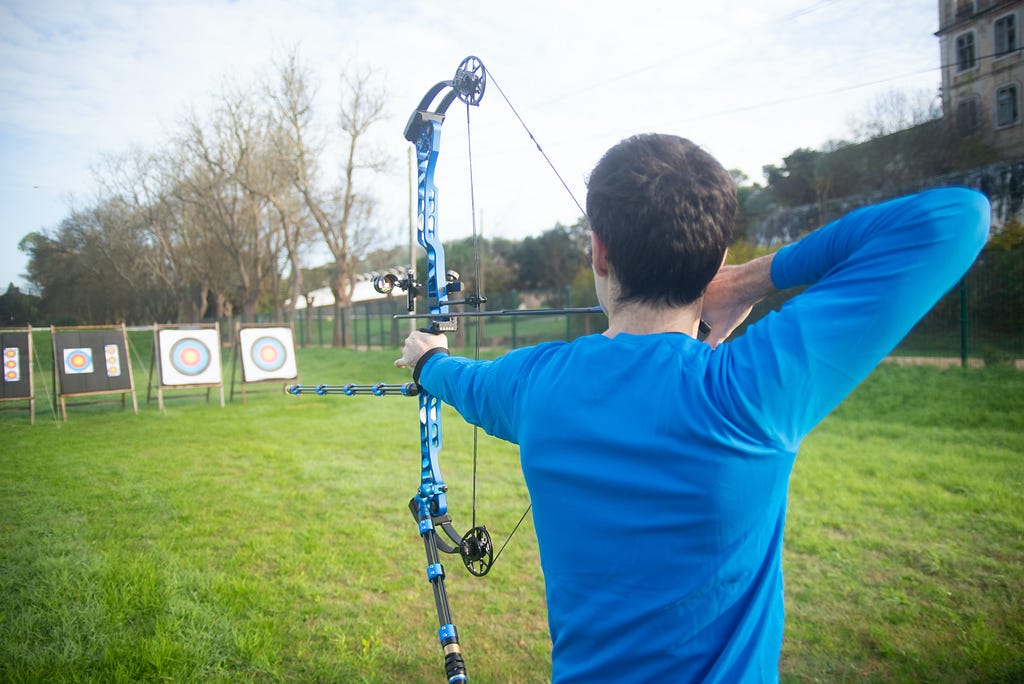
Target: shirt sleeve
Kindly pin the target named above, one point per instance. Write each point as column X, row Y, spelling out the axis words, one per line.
column 485, row 393
column 872, row 275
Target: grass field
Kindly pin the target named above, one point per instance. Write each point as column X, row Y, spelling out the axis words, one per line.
column 271, row 542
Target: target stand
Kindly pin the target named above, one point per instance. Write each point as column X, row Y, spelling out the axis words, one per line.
column 89, row 361
column 266, row 353
column 186, row 357
column 16, row 383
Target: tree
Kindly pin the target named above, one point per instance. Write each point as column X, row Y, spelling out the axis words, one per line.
column 342, row 215
column 551, row 260
column 294, row 156
column 144, row 183
column 224, row 160
column 893, row 111
column 18, row 308
column 795, row 182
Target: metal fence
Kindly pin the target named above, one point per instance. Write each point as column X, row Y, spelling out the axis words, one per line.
column 979, row 321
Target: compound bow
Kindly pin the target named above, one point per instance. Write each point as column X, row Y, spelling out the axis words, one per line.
column 430, row 506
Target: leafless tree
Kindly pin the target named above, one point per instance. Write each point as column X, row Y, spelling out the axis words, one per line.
column 895, row 110
column 293, row 156
column 224, row 159
column 343, row 214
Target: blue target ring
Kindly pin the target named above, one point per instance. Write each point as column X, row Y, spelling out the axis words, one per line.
column 268, row 353
column 189, row 356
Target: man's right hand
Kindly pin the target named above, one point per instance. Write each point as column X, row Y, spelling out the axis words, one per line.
column 732, row 294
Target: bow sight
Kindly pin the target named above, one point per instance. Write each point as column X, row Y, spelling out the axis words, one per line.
column 386, row 284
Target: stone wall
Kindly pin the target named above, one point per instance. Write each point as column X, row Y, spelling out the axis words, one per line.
column 1002, row 183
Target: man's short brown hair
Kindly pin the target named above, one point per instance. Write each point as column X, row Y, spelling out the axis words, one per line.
column 665, row 209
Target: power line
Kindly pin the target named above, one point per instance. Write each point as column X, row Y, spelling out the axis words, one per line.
column 677, row 55
column 808, row 96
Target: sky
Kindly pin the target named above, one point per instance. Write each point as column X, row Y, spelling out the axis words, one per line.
column 748, row 80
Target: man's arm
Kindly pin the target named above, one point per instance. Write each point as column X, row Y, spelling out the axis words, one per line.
column 733, row 293
column 872, row 275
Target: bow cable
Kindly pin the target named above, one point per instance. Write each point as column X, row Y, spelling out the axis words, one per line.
column 537, row 144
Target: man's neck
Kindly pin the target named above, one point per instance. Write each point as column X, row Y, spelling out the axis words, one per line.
column 643, row 319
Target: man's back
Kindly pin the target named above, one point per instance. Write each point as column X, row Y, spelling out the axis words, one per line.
column 658, row 467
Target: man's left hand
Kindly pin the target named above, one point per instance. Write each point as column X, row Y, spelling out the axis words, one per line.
column 417, row 344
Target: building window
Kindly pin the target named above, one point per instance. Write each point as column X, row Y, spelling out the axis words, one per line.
column 1007, row 105
column 1006, row 34
column 965, row 55
column 968, row 116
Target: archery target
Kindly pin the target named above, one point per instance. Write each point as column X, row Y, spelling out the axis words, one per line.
column 113, row 357
column 78, row 360
column 12, row 364
column 17, row 359
column 189, row 357
column 267, row 354
column 92, row 360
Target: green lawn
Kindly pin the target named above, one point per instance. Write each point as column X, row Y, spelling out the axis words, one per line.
column 271, row 542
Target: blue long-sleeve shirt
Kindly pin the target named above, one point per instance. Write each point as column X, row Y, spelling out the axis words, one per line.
column 658, row 467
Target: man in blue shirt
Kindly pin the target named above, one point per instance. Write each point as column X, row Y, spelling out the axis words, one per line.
column 677, row 453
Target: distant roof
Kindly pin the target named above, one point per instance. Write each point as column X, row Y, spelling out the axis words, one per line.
column 362, row 291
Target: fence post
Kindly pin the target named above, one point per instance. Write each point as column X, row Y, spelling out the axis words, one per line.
column 515, row 301
column 369, row 325
column 568, row 317
column 963, row 321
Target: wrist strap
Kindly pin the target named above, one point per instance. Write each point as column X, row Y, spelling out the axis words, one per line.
column 423, row 361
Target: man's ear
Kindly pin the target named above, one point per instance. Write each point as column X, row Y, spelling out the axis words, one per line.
column 599, row 255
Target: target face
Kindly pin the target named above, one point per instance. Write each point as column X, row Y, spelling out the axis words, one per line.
column 113, row 359
column 12, row 364
column 78, row 361
column 267, row 354
column 189, row 357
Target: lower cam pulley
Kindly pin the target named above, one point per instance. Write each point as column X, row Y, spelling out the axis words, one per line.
column 476, row 551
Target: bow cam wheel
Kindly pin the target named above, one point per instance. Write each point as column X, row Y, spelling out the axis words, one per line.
column 470, row 80
column 477, row 551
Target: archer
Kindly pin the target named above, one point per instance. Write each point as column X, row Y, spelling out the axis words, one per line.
column 658, row 464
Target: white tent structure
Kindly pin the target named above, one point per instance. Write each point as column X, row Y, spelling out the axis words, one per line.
column 362, row 292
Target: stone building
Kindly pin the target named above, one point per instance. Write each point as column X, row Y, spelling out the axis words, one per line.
column 983, row 73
